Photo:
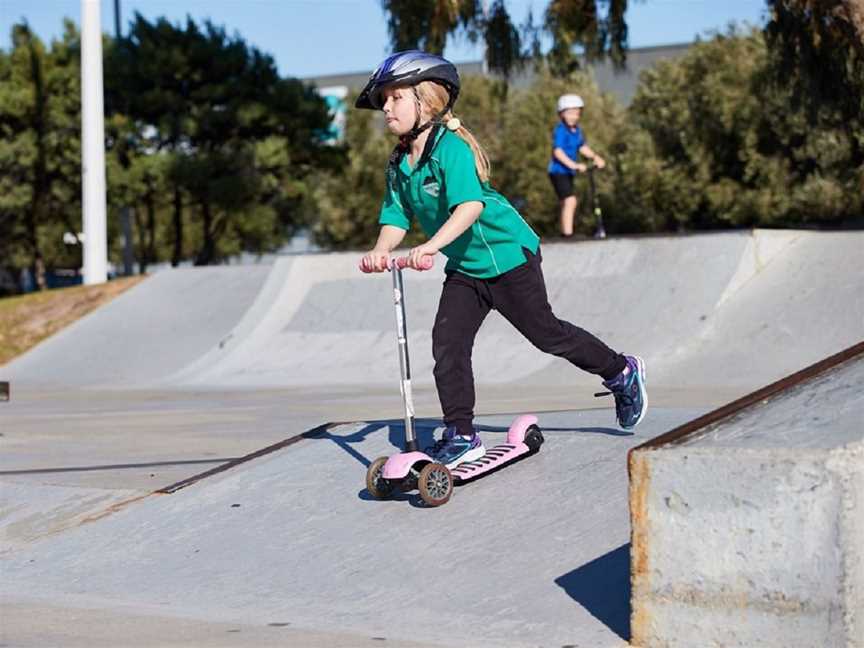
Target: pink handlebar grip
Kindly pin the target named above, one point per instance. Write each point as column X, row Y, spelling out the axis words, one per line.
column 426, row 264
column 402, row 262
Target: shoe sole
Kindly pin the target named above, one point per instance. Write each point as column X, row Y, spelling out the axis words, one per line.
column 641, row 379
column 471, row 455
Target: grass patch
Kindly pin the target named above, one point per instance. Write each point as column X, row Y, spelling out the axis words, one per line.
column 26, row 320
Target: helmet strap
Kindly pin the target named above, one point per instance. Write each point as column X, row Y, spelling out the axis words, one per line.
column 436, row 119
column 405, row 140
column 405, row 144
column 430, row 143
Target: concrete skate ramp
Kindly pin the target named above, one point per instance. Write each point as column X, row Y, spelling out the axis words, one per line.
column 730, row 311
column 736, row 310
column 535, row 554
column 153, row 330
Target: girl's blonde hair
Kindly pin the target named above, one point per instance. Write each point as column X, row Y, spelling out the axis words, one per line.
column 435, row 97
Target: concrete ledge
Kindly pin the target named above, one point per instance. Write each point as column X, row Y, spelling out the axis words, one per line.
column 748, row 530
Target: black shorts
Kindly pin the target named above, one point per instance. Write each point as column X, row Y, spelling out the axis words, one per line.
column 563, row 183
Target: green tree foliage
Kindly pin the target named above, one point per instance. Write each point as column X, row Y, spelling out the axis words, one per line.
column 733, row 146
column 578, row 25
column 817, row 49
column 39, row 149
column 209, row 146
column 816, row 54
column 592, row 28
column 345, row 206
column 220, row 113
column 140, row 182
column 426, row 25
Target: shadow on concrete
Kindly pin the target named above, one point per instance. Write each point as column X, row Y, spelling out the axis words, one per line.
column 413, row 499
column 591, row 430
column 602, row 587
column 424, row 430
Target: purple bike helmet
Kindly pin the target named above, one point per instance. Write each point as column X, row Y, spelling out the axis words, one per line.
column 409, row 68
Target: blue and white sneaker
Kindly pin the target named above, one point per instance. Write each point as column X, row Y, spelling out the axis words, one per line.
column 453, row 449
column 628, row 388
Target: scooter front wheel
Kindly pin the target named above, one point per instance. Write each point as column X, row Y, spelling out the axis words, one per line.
column 378, row 487
column 435, row 484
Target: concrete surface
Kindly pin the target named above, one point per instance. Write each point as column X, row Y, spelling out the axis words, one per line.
column 37, row 624
column 536, row 554
column 156, row 327
column 750, row 532
column 196, row 368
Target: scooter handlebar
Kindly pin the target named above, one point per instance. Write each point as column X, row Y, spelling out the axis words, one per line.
column 425, row 264
column 401, row 263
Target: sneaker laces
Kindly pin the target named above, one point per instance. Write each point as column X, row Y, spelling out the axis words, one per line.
column 440, row 444
column 437, row 446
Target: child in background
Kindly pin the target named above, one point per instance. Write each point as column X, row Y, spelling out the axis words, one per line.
column 568, row 143
column 439, row 174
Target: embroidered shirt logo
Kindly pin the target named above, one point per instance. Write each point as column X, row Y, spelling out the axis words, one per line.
column 431, row 187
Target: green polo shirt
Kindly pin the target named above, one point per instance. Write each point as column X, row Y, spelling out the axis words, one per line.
column 493, row 244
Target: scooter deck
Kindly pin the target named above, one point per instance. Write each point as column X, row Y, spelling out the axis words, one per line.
column 495, row 457
column 398, row 466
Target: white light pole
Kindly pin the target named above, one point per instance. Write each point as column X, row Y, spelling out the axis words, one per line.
column 93, row 145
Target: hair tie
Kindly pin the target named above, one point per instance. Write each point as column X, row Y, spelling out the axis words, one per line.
column 453, row 124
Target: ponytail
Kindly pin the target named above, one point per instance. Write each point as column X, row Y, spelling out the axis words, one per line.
column 436, row 97
column 481, row 160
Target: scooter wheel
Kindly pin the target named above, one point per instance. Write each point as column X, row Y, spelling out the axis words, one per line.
column 378, row 487
column 534, row 438
column 435, row 484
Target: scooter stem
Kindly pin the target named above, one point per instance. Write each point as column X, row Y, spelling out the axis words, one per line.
column 404, row 364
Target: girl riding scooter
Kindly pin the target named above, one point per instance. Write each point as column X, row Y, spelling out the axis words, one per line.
column 439, row 174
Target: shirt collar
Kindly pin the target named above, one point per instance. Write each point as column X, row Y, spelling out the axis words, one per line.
column 406, row 168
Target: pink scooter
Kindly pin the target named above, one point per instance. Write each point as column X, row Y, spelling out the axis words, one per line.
column 414, row 469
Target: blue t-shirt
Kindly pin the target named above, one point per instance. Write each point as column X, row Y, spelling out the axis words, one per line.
column 569, row 141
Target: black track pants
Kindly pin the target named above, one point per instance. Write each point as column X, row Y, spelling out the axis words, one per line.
column 520, row 296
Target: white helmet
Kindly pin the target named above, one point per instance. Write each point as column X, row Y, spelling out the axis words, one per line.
column 569, row 101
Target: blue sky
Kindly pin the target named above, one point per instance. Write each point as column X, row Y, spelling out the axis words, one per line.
column 317, row 37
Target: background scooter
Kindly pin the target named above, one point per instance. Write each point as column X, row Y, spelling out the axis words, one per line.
column 600, row 232
column 411, row 468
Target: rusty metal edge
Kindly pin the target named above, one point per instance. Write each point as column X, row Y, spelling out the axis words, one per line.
column 314, row 433
column 640, row 532
column 678, row 434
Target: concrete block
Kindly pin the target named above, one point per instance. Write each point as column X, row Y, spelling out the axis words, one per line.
column 748, row 530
